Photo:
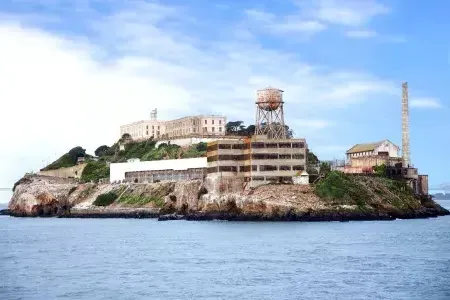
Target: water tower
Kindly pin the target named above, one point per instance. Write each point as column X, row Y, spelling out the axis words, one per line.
column 269, row 113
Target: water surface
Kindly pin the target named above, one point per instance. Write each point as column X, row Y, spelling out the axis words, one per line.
column 145, row 259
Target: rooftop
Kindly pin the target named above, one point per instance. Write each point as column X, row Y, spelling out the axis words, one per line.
column 364, row 147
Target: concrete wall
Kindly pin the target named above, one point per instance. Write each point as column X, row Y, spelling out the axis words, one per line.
column 389, row 147
column 68, row 172
column 118, row 170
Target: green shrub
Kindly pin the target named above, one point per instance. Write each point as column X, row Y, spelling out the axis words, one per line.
column 105, row 199
column 342, row 188
column 141, row 200
column 94, row 171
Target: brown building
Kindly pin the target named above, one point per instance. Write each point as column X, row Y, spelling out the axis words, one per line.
column 258, row 159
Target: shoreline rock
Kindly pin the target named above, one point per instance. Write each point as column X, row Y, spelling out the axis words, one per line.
column 5, row 212
column 43, row 196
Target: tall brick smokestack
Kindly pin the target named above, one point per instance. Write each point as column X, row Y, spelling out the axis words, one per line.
column 405, row 127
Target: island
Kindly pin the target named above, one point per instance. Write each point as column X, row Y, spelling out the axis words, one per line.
column 333, row 196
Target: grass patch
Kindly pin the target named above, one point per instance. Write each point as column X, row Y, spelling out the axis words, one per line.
column 141, row 200
column 94, row 171
column 105, row 199
column 342, row 189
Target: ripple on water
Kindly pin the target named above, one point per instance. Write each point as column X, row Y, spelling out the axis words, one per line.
column 146, row 259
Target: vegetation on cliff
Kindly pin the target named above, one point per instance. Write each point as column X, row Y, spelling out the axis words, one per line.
column 105, row 199
column 365, row 191
column 144, row 150
column 67, row 160
column 94, row 171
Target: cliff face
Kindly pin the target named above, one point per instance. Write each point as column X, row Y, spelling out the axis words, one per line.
column 341, row 198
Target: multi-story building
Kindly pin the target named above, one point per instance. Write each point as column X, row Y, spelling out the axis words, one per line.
column 191, row 126
column 258, row 159
column 361, row 158
column 144, row 129
column 203, row 125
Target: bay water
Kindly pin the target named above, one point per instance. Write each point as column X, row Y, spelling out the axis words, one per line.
column 50, row 258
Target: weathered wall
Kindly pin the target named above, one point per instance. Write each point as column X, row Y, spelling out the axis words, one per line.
column 68, row 172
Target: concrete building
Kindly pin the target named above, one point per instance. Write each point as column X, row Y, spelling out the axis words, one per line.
column 159, row 170
column 144, row 129
column 191, row 126
column 361, row 158
column 258, row 159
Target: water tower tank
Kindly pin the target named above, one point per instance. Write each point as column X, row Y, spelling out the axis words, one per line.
column 269, row 99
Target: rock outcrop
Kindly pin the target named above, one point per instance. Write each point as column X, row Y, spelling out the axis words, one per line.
column 218, row 199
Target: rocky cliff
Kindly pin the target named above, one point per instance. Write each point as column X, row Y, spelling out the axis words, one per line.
column 337, row 198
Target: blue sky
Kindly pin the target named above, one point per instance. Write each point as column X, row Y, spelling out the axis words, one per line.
column 73, row 71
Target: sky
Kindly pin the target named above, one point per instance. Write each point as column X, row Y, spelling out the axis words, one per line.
column 71, row 72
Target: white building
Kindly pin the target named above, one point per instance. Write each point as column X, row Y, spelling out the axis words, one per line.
column 149, row 171
column 382, row 148
column 191, row 126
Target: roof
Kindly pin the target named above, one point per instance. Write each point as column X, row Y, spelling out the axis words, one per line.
column 367, row 147
column 364, row 147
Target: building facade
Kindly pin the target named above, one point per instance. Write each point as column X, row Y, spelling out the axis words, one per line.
column 361, row 158
column 191, row 126
column 258, row 159
column 144, row 129
column 158, row 170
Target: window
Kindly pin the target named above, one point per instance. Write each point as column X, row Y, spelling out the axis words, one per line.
column 212, row 128
column 227, row 169
column 147, row 127
column 205, row 129
column 153, row 127
column 285, row 168
column 220, row 122
column 212, row 122
column 298, row 168
column 158, row 127
column 267, row 168
column 206, row 121
column 147, row 132
column 220, row 129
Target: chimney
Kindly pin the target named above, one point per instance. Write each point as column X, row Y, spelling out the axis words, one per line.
column 153, row 115
column 406, row 160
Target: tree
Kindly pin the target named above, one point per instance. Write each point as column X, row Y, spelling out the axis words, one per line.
column 201, row 147
column 76, row 152
column 125, row 137
column 233, row 127
column 311, row 158
column 250, row 130
column 380, row 170
column 325, row 168
column 100, row 151
column 289, row 132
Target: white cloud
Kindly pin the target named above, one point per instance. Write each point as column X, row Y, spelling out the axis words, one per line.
column 425, row 103
column 349, row 12
column 283, row 24
column 59, row 91
column 361, row 34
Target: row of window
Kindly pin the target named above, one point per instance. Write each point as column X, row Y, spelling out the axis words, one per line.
column 213, row 129
column 254, row 168
column 256, row 156
column 256, row 145
column 212, row 122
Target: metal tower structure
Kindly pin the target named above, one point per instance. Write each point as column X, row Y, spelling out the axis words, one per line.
column 153, row 114
column 269, row 113
column 406, row 159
